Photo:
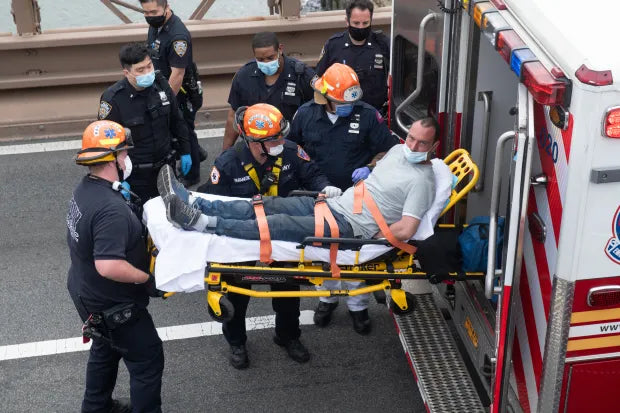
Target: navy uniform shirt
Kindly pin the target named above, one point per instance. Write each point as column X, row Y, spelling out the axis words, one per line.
column 152, row 115
column 290, row 91
column 228, row 176
column 370, row 61
column 101, row 226
column 171, row 46
column 340, row 148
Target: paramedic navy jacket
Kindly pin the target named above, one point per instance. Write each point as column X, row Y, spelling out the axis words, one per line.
column 102, row 226
column 370, row 61
column 289, row 92
column 344, row 146
column 228, row 176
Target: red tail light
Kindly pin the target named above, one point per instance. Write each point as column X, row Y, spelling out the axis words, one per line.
column 545, row 89
column 611, row 126
column 508, row 40
column 594, row 77
column 605, row 296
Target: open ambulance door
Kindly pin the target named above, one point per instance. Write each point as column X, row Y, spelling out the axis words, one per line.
column 505, row 282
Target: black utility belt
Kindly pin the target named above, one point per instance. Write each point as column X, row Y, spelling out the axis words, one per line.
column 155, row 165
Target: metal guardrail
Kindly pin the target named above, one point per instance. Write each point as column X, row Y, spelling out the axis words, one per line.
column 50, row 83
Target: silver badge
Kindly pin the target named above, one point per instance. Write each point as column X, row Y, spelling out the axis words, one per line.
column 164, row 98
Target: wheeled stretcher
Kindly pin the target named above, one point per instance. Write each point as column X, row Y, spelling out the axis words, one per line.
column 186, row 261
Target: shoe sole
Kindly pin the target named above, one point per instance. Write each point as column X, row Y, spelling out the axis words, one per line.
column 164, row 181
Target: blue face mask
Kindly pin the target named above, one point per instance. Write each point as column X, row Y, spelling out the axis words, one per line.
column 344, row 110
column 414, row 157
column 145, row 80
column 269, row 68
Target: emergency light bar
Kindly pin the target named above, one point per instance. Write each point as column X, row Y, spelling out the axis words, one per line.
column 547, row 88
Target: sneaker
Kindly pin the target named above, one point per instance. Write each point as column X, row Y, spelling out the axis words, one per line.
column 168, row 184
column 180, row 214
column 361, row 321
column 323, row 313
column 295, row 349
column 239, row 357
column 119, row 406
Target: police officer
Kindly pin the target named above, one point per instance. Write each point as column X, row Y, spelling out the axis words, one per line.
column 144, row 103
column 170, row 44
column 107, row 278
column 346, row 137
column 264, row 162
column 271, row 78
column 367, row 52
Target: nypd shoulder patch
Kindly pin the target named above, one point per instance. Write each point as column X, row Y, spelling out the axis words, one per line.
column 104, row 109
column 302, row 154
column 180, row 47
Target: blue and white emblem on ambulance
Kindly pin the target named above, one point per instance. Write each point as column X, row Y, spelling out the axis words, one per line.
column 612, row 249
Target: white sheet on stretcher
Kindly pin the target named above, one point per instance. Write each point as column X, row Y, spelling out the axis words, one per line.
column 183, row 255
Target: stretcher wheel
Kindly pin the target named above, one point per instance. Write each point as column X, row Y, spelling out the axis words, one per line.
column 228, row 311
column 410, row 305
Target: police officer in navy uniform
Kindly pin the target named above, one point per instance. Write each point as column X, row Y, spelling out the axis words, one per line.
column 144, row 103
column 170, row 44
column 273, row 78
column 107, row 279
column 346, row 137
column 267, row 164
column 367, row 52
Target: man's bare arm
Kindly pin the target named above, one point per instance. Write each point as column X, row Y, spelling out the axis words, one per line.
column 230, row 136
column 376, row 159
column 121, row 271
column 403, row 229
column 176, row 79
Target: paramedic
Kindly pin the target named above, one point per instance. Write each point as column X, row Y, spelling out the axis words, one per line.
column 346, row 137
column 271, row 77
column 264, row 162
column 367, row 52
column 170, row 44
column 144, row 103
column 401, row 184
column 107, row 279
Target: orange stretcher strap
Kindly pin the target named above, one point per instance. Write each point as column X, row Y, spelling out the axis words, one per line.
column 322, row 213
column 263, row 229
column 362, row 196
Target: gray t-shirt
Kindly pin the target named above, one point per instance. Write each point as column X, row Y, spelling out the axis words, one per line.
column 398, row 187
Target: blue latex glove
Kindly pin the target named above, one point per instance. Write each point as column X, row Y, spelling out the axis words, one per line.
column 125, row 192
column 186, row 163
column 360, row 173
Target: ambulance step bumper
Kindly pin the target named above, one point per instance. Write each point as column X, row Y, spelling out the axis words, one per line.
column 443, row 379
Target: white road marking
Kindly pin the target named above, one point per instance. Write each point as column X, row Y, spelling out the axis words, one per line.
column 76, row 144
column 74, row 344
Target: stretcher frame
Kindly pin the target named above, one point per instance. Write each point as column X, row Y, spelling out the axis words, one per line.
column 380, row 274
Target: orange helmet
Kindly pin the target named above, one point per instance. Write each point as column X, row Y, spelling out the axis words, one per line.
column 261, row 123
column 338, row 84
column 100, row 142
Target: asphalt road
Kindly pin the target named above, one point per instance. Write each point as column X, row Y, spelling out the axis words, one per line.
column 347, row 372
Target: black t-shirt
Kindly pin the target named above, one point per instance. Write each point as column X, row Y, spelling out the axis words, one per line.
column 100, row 226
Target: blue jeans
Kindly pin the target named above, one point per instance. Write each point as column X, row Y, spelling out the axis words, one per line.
column 289, row 219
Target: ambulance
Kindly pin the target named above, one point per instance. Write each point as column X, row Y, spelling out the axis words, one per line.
column 531, row 88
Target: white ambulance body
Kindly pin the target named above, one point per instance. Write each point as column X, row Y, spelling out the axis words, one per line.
column 532, row 89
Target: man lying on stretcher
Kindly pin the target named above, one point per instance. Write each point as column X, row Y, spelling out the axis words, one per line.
column 401, row 185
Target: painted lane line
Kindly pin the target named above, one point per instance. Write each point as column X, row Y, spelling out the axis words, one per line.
column 76, row 144
column 180, row 332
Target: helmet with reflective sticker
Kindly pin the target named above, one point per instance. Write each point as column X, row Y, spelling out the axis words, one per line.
column 339, row 84
column 101, row 141
column 261, row 123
